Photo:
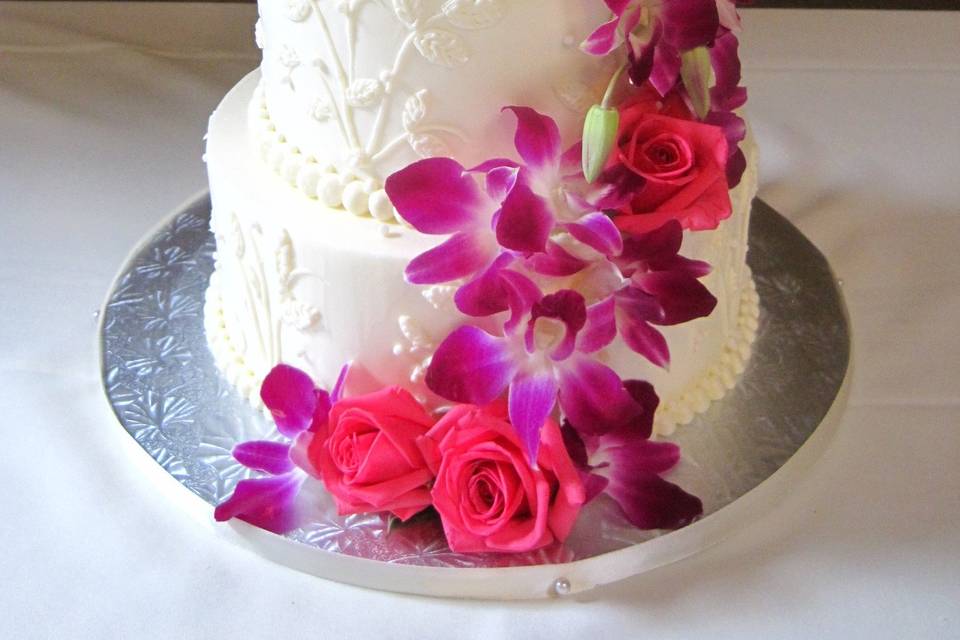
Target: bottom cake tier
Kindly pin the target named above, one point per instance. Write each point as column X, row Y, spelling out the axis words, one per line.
column 314, row 286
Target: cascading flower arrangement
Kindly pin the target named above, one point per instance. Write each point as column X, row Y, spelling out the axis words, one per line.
column 554, row 255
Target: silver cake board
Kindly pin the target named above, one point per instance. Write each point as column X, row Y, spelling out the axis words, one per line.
column 743, row 455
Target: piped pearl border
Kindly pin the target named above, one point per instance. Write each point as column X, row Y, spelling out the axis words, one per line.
column 361, row 196
column 721, row 376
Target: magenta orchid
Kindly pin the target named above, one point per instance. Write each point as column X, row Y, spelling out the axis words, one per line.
column 661, row 287
column 655, row 34
column 626, row 465
column 298, row 409
column 515, row 214
column 542, row 357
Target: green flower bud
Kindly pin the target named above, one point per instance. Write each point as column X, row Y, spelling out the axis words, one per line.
column 599, row 136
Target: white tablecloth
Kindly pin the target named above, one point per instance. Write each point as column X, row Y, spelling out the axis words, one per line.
column 102, row 111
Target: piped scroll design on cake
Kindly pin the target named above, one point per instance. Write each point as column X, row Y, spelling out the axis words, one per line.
column 247, row 347
column 435, row 37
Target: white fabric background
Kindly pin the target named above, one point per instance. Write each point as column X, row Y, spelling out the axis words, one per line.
column 102, row 111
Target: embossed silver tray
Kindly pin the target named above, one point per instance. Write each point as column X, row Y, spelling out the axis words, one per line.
column 742, row 454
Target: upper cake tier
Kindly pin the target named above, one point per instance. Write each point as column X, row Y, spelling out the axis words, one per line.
column 365, row 87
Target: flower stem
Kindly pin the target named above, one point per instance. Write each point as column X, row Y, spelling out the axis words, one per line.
column 611, row 87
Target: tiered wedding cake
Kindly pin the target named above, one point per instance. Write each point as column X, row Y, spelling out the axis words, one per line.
column 311, row 253
column 520, row 224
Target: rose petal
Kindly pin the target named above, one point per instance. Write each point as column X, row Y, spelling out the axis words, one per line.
column 268, row 503
column 532, row 398
column 471, row 366
column 461, row 256
column 289, row 394
column 438, row 196
column 264, row 455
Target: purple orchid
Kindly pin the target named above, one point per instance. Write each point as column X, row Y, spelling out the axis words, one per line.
column 626, row 465
column 542, row 356
column 661, row 288
column 298, row 408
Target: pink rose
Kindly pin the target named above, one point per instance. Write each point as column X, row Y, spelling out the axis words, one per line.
column 367, row 454
column 487, row 494
column 682, row 163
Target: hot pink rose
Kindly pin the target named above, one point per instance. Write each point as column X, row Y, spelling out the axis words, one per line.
column 487, row 494
column 682, row 163
column 367, row 454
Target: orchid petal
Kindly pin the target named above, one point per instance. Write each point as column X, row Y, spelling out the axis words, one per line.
column 525, row 220
column 726, row 95
column 604, row 39
column 601, row 327
column 537, row 140
column 688, row 24
column 461, row 256
column 666, row 69
column 471, row 366
column 532, row 398
column 522, row 294
column 264, row 455
column 338, row 386
column 647, row 341
column 289, row 394
column 556, row 262
column 438, row 196
column 593, row 397
column 599, row 232
column 268, row 503
column 641, row 424
column 697, row 74
column 661, row 244
column 500, row 181
column 642, row 64
column 568, row 307
column 682, row 297
column 650, row 502
column 486, row 294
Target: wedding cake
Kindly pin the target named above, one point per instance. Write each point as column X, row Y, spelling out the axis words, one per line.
column 535, row 205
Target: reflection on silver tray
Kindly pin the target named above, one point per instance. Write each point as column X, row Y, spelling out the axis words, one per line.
column 166, row 391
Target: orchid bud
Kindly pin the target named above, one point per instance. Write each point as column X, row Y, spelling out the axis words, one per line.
column 599, row 135
column 697, row 74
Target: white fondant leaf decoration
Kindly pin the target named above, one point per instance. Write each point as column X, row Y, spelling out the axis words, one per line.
column 473, row 14
column 407, row 10
column 442, row 47
column 298, row 10
column 574, row 95
column 414, row 110
column 428, row 145
column 321, row 110
column 300, row 315
column 364, row 92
